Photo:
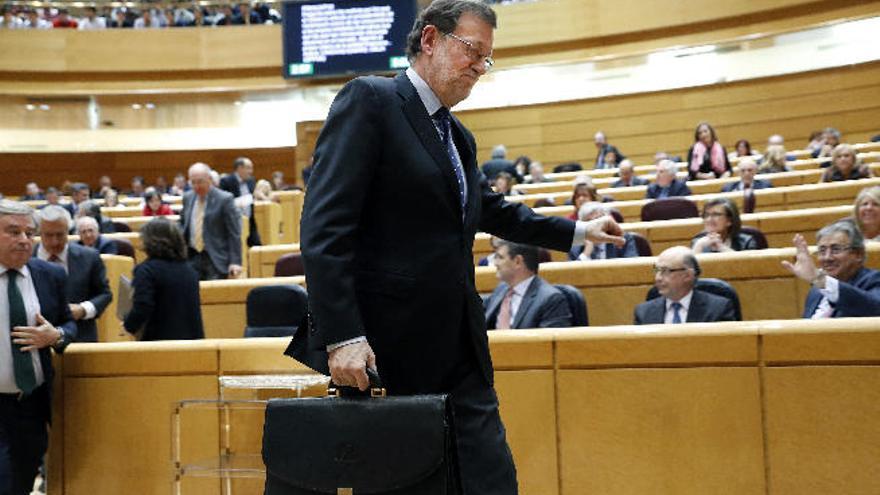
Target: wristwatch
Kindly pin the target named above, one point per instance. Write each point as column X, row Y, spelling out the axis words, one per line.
column 62, row 340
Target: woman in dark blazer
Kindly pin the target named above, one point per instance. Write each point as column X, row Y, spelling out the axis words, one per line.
column 721, row 224
column 166, row 289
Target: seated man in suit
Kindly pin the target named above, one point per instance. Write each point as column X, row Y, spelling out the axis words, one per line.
column 87, row 289
column 627, row 176
column 842, row 286
column 522, row 299
column 499, row 163
column 666, row 185
column 675, row 275
column 747, row 170
column 590, row 251
column 602, row 152
column 90, row 236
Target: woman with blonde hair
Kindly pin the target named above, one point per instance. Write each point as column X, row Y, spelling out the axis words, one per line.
column 845, row 165
column 866, row 211
column 774, row 160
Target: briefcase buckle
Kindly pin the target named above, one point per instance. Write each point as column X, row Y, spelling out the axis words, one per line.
column 377, row 392
column 344, row 491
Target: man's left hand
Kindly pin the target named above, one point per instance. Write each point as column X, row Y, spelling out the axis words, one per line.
column 605, row 229
column 38, row 337
column 77, row 311
column 234, row 271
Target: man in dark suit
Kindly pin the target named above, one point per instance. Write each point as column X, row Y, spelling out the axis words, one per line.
column 665, row 184
column 628, row 178
column 53, row 197
column 589, row 251
column 211, row 227
column 240, row 183
column 603, row 150
column 34, row 317
column 523, row 299
column 32, row 192
column 675, row 275
column 394, row 201
column 499, row 163
column 842, row 286
column 747, row 181
column 90, row 236
column 87, row 287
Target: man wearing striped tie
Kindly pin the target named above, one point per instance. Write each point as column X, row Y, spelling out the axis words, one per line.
column 34, row 317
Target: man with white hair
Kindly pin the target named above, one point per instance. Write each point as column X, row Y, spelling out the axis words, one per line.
column 499, row 163
column 34, row 317
column 604, row 149
column 90, row 236
column 536, row 170
column 601, row 251
column 32, row 192
column 747, row 181
column 665, row 184
column 87, row 287
column 628, row 178
column 211, row 227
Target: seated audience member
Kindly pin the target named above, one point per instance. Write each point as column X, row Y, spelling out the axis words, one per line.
column 536, row 170
column 707, row 158
column 498, row 163
column 867, row 213
column 111, row 199
column 105, row 183
column 830, row 140
column 53, row 197
column 63, row 20
column 32, row 192
column 90, row 236
column 503, row 184
column 225, row 16
column 665, row 184
column 246, row 15
column 92, row 22
column 591, row 251
column 817, row 140
column 721, row 229
column 93, row 209
column 747, row 170
column 88, row 292
column 489, row 260
column 845, row 165
column 841, row 286
column 180, row 185
column 522, row 299
column 121, row 19
column 628, row 178
column 584, row 192
column 675, row 276
column 521, row 164
column 183, row 17
column 660, row 156
column 166, row 303
column 79, row 195
column 9, row 20
column 35, row 21
column 153, row 205
column 774, row 160
column 743, row 148
column 161, row 185
column 147, row 20
column 263, row 190
column 278, row 183
column 137, row 187
column 603, row 150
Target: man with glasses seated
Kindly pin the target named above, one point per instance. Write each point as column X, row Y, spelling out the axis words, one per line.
column 841, row 285
column 675, row 275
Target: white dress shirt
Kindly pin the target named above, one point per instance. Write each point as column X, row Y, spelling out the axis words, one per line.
column 86, row 305
column 519, row 290
column 32, row 307
column 831, row 293
column 682, row 311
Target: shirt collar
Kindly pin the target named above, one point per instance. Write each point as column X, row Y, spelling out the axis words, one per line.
column 23, row 270
column 521, row 288
column 426, row 94
column 684, row 301
column 44, row 255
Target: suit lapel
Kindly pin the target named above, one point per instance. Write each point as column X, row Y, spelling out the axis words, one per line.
column 526, row 303
column 697, row 308
column 424, row 127
column 658, row 312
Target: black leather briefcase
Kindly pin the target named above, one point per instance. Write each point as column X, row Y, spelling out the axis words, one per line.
column 348, row 444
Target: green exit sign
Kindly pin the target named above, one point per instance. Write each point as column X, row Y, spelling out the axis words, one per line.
column 398, row 62
column 301, row 69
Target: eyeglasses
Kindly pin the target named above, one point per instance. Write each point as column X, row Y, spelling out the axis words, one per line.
column 714, row 214
column 833, row 249
column 664, row 271
column 473, row 53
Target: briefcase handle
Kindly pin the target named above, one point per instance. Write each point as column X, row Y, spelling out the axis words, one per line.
column 376, row 388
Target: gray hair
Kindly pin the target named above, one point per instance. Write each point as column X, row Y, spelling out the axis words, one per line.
column 499, row 151
column 848, row 227
column 9, row 207
column 590, row 207
column 444, row 15
column 626, row 163
column 54, row 213
column 88, row 220
column 669, row 166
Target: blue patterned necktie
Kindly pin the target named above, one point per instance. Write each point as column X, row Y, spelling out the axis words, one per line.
column 443, row 121
column 676, row 316
column 22, row 365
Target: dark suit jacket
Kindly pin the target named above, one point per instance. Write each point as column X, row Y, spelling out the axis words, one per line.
column 49, row 283
column 166, row 301
column 493, row 167
column 628, row 250
column 636, row 181
column 600, row 155
column 387, row 249
column 756, row 184
column 221, row 231
column 859, row 296
column 86, row 281
column 104, row 245
column 542, row 306
column 704, row 307
column 742, row 242
column 230, row 184
column 677, row 188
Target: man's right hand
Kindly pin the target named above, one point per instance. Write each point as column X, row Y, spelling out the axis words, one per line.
column 348, row 365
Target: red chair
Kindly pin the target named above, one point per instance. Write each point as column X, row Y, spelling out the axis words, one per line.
column 124, row 248
column 668, row 209
column 642, row 245
column 289, row 265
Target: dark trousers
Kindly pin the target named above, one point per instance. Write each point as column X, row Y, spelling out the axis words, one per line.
column 23, row 441
column 201, row 263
